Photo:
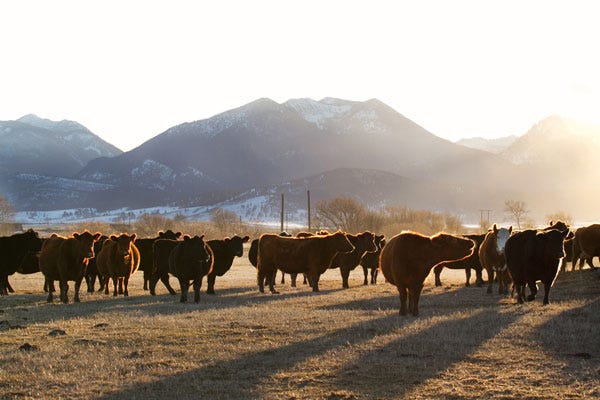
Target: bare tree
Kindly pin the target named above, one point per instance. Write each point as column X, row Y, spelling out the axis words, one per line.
column 517, row 209
column 226, row 222
column 342, row 213
column 560, row 216
column 148, row 225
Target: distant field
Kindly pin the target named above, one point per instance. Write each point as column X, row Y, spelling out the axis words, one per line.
column 337, row 344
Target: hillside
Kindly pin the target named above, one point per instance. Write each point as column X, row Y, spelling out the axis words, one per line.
column 39, row 146
column 266, row 143
column 496, row 146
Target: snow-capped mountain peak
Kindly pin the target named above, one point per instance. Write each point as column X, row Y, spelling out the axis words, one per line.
column 318, row 112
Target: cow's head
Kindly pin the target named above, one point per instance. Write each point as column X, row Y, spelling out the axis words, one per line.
column 502, row 236
column 194, row 249
column 341, row 241
column 551, row 243
column 85, row 243
column 366, row 242
column 235, row 244
column 169, row 234
column 123, row 243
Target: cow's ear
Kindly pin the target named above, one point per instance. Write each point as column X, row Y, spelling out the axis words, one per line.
column 186, row 237
column 245, row 239
column 510, row 229
column 381, row 237
column 495, row 228
column 201, row 237
column 133, row 237
column 113, row 237
column 551, row 222
column 226, row 239
column 97, row 236
column 160, row 233
column 178, row 235
column 75, row 235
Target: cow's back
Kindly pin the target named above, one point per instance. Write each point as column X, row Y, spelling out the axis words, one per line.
column 104, row 256
column 520, row 251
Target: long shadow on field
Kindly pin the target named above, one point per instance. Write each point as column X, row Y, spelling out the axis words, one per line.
column 26, row 309
column 572, row 336
column 244, row 377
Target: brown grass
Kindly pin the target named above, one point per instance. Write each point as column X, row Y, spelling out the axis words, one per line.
column 337, row 344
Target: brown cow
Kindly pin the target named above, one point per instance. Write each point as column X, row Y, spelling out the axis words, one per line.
column 466, row 263
column 65, row 259
column 491, row 255
column 118, row 259
column 311, row 255
column 586, row 245
column 146, row 256
column 161, row 250
column 363, row 243
column 408, row 257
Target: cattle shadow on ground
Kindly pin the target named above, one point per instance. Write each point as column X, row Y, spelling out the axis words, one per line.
column 570, row 335
column 398, row 367
column 243, row 377
column 31, row 308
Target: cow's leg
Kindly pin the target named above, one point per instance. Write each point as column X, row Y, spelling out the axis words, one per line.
column 105, row 283
column 271, row 277
column 50, row 289
column 126, row 285
column 374, row 272
column 197, row 285
column 468, row 276
column 153, row 281
column 115, row 283
column 184, row 284
column 211, row 283
column 101, row 282
column 165, row 280
column 260, row 279
column 146, row 279
column 414, row 294
column 64, row 288
column 547, row 286
column 437, row 272
column 533, row 290
column 3, row 290
column 315, row 284
column 490, row 272
column 293, row 277
column 120, row 285
column 77, row 286
column 403, row 292
column 11, row 290
column 345, row 275
column 589, row 261
column 366, row 273
column 520, row 288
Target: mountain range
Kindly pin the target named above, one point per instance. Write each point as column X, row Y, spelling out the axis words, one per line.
column 333, row 147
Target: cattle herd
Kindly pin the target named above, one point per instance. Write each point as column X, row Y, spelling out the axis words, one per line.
column 511, row 258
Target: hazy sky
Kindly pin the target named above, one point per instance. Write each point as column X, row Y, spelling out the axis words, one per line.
column 128, row 70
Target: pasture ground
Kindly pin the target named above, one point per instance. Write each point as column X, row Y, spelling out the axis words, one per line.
column 337, row 344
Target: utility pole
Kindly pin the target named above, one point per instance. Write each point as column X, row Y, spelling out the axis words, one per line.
column 308, row 207
column 282, row 212
column 484, row 223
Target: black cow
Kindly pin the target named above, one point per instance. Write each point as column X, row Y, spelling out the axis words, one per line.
column 466, row 264
column 190, row 261
column 533, row 256
column 371, row 261
column 161, row 250
column 144, row 246
column 91, row 273
column 224, row 252
column 13, row 250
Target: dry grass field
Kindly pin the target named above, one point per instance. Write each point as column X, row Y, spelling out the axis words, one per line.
column 337, row 344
